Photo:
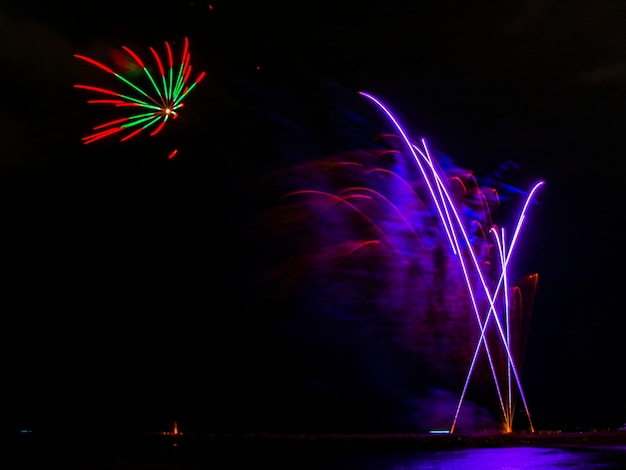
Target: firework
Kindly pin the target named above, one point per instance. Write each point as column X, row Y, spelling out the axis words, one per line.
column 495, row 306
column 151, row 104
column 407, row 244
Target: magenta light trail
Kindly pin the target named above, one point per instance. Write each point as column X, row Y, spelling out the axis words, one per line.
column 511, row 364
column 491, row 298
column 425, row 154
column 338, row 200
column 501, row 242
column 397, row 211
column 154, row 107
column 455, row 228
column 448, row 202
column 505, row 340
column 415, row 157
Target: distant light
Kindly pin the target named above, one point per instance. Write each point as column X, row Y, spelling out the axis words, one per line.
column 25, row 431
column 439, row 431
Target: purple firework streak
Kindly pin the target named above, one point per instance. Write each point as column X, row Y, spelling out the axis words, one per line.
column 151, row 105
column 391, row 237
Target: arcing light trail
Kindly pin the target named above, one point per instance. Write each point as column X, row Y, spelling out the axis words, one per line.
column 455, row 231
column 158, row 101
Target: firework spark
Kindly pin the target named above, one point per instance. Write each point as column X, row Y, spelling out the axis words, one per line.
column 151, row 105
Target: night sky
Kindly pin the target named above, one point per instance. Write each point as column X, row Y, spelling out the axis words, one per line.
column 140, row 290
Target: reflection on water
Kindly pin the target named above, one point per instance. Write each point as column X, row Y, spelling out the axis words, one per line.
column 507, row 458
column 165, row 453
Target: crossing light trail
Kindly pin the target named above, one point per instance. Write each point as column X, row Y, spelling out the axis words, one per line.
column 497, row 301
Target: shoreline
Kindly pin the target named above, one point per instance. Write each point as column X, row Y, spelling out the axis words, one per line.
column 418, row 440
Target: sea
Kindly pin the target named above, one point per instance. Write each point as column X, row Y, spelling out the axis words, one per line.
column 251, row 453
column 501, row 458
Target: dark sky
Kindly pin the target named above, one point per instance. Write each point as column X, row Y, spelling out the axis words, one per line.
column 140, row 290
